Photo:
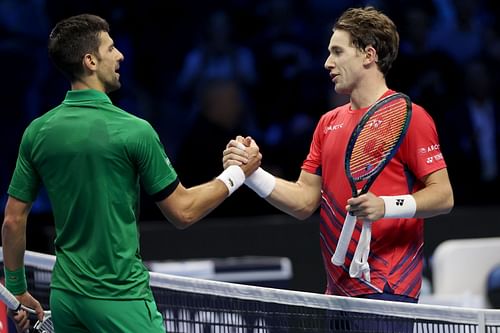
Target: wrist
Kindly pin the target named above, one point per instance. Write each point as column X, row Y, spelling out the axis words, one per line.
column 233, row 177
column 261, row 182
column 15, row 281
column 399, row 206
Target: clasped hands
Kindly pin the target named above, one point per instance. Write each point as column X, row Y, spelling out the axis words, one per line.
column 244, row 152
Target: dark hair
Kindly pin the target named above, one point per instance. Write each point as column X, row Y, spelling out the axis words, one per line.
column 369, row 26
column 72, row 38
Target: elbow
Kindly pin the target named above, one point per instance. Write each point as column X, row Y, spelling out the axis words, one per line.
column 183, row 220
column 450, row 203
column 12, row 224
column 179, row 214
column 304, row 213
column 446, row 208
column 306, row 210
column 446, row 203
column 302, row 217
column 180, row 225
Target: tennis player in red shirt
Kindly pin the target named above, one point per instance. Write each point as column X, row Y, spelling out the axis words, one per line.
column 362, row 48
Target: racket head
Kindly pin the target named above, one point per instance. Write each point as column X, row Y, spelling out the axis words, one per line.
column 376, row 139
column 45, row 325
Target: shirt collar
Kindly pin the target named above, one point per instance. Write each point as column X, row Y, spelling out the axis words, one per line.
column 86, row 95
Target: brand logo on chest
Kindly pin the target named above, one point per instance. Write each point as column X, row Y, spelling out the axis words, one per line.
column 331, row 128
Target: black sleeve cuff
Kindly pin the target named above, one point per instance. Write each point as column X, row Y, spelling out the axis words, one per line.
column 163, row 194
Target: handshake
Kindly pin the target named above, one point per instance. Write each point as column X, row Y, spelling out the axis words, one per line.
column 241, row 160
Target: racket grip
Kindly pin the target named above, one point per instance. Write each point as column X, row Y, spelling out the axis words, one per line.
column 338, row 257
column 9, row 299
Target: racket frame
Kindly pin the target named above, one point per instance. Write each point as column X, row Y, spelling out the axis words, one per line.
column 372, row 174
column 338, row 257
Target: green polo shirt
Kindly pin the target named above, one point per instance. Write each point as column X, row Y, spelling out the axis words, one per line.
column 92, row 157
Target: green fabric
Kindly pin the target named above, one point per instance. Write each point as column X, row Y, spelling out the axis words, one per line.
column 91, row 157
column 80, row 314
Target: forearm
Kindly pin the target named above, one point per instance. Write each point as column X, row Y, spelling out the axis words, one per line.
column 13, row 241
column 14, row 233
column 299, row 199
column 14, row 244
column 433, row 201
column 293, row 198
column 436, row 197
column 202, row 199
column 185, row 207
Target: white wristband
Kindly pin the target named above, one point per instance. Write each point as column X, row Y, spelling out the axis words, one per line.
column 399, row 206
column 233, row 177
column 262, row 182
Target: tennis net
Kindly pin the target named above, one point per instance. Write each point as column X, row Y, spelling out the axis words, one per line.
column 200, row 306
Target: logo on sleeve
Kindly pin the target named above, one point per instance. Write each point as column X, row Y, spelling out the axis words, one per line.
column 429, row 149
column 431, row 153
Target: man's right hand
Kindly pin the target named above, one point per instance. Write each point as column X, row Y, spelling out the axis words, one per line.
column 243, row 152
column 20, row 318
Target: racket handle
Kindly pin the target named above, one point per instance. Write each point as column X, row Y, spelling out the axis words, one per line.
column 9, row 299
column 338, row 257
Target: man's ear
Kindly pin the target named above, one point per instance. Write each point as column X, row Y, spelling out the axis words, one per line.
column 370, row 55
column 89, row 62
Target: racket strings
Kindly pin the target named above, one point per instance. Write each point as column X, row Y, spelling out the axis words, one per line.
column 378, row 137
column 45, row 326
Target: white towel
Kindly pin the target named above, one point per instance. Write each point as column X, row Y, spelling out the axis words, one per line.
column 359, row 265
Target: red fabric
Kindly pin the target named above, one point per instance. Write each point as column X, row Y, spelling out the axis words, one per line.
column 4, row 324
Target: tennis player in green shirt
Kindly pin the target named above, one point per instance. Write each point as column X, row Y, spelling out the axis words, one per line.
column 92, row 158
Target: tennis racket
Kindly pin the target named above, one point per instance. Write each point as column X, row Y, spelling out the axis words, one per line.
column 374, row 141
column 44, row 326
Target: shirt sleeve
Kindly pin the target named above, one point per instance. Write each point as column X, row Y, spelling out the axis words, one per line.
column 313, row 161
column 25, row 183
column 422, row 147
column 155, row 170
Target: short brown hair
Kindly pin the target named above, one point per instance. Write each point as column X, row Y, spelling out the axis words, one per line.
column 368, row 26
column 72, row 38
